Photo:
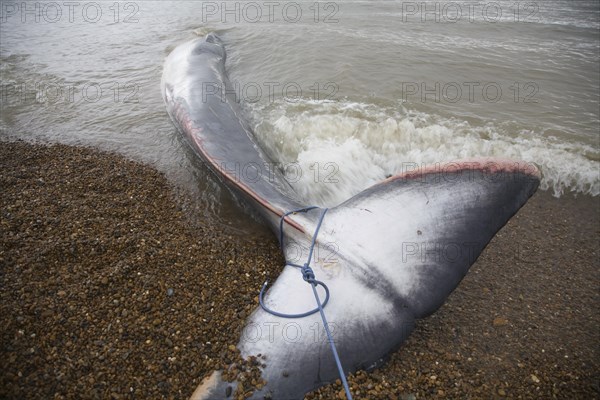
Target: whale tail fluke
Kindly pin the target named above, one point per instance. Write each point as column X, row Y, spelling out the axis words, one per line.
column 389, row 255
column 420, row 232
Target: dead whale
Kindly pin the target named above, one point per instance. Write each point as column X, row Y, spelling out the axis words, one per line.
column 388, row 256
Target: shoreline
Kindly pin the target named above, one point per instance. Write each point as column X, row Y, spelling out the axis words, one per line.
column 112, row 290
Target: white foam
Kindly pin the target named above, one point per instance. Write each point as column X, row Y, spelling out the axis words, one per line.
column 344, row 147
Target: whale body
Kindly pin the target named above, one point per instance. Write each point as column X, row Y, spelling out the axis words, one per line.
column 390, row 255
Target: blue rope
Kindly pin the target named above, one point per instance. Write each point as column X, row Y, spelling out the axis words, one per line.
column 309, row 276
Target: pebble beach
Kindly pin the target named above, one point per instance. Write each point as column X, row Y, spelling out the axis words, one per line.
column 113, row 287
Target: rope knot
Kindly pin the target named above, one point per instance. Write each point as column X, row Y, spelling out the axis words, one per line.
column 307, row 274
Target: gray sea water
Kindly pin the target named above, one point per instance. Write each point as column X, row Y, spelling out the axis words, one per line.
column 346, row 92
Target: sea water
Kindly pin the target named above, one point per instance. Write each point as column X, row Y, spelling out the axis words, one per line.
column 340, row 94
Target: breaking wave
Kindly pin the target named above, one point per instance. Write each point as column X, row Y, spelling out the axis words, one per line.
column 344, row 147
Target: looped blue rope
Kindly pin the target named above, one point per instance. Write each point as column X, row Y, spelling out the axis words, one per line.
column 309, row 276
column 301, row 315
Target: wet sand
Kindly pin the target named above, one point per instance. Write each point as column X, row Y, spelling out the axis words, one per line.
column 113, row 287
